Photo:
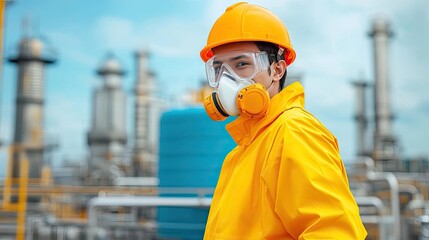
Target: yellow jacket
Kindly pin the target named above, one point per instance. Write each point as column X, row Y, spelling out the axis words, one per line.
column 284, row 180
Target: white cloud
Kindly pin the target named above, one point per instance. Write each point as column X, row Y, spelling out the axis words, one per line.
column 115, row 33
column 174, row 36
column 213, row 11
column 70, row 47
column 167, row 36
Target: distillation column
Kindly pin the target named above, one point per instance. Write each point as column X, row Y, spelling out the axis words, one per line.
column 107, row 137
column 360, row 117
column 28, row 134
column 147, row 111
column 384, row 142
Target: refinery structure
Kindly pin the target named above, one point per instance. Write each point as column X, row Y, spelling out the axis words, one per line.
column 162, row 188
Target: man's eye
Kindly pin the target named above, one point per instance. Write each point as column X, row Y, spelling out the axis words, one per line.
column 217, row 69
column 242, row 64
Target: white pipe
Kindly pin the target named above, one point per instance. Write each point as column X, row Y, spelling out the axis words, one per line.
column 394, row 193
column 424, row 227
column 374, row 219
column 371, row 201
column 136, row 181
column 146, row 201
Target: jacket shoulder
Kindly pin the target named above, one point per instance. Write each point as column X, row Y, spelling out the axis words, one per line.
column 302, row 122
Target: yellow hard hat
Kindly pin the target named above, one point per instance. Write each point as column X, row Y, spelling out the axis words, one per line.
column 247, row 22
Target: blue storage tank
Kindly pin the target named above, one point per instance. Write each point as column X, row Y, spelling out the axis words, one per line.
column 192, row 149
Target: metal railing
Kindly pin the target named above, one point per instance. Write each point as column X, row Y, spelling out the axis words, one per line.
column 133, row 201
column 379, row 183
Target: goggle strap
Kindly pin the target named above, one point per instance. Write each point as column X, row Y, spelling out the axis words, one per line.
column 279, row 54
column 263, row 60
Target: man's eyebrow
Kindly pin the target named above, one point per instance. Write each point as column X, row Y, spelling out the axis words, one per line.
column 237, row 57
column 231, row 59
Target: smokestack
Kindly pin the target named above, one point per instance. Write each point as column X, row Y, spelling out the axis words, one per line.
column 107, row 138
column 146, row 118
column 31, row 61
column 384, row 142
column 140, row 110
column 360, row 117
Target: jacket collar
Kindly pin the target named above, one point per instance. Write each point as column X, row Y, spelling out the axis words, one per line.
column 244, row 130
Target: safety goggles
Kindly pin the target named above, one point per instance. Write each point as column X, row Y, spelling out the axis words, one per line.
column 244, row 66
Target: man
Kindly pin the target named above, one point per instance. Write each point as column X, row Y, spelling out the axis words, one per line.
column 285, row 179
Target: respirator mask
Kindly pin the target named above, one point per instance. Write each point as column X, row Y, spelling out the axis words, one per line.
column 231, row 74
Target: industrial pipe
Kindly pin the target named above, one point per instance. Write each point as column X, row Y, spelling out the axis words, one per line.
column 370, row 201
column 148, row 201
column 394, row 194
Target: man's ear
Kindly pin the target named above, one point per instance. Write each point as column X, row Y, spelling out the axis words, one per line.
column 279, row 70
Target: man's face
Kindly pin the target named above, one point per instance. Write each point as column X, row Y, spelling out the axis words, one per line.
column 264, row 78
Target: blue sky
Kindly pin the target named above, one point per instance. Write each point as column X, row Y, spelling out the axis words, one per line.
column 330, row 38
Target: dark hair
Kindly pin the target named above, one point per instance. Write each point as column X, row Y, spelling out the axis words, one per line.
column 272, row 50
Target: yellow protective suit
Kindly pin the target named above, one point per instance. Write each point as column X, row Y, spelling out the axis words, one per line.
column 284, row 180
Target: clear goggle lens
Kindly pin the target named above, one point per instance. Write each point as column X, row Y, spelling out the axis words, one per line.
column 242, row 65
